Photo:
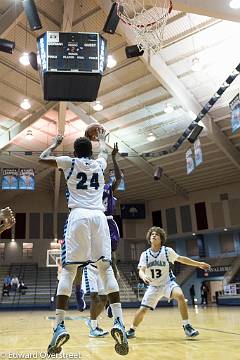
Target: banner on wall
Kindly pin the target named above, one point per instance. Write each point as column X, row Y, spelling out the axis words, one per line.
column 235, row 113
column 9, row 179
column 26, row 179
column 198, row 153
column 189, row 161
column 133, row 211
column 121, row 186
column 230, row 289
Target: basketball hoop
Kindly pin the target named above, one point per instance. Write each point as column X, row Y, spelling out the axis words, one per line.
column 148, row 19
column 53, row 257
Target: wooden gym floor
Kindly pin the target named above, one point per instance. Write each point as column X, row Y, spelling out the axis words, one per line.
column 26, row 334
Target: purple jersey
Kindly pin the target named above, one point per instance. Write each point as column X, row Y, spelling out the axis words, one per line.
column 109, row 202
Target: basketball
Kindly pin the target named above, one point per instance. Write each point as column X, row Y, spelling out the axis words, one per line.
column 91, row 131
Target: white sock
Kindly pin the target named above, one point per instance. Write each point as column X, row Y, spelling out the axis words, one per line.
column 60, row 316
column 93, row 324
column 133, row 327
column 117, row 311
column 185, row 322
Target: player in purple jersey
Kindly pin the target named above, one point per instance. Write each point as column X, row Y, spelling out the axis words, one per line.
column 109, row 202
column 98, row 298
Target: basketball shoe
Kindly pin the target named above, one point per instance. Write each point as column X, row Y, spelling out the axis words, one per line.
column 190, row 331
column 98, row 332
column 119, row 335
column 60, row 337
column 131, row 333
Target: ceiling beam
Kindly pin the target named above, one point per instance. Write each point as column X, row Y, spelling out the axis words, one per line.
column 12, row 16
column 157, row 66
column 15, row 130
column 136, row 159
column 214, row 8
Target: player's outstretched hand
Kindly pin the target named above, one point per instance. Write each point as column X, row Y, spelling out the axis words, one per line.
column 205, row 266
column 115, row 149
column 101, row 134
column 9, row 222
column 58, row 140
column 6, row 213
column 146, row 279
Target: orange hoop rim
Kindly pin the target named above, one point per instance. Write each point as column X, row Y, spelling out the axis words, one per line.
column 143, row 26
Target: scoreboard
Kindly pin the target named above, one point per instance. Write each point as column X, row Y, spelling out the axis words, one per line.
column 73, row 61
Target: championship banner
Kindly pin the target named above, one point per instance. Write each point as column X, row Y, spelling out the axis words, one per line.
column 189, row 161
column 198, row 153
column 26, row 179
column 235, row 108
column 121, row 186
column 10, row 179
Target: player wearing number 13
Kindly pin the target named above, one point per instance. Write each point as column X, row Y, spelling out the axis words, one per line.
column 155, row 271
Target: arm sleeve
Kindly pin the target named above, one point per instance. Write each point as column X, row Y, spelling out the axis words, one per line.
column 63, row 162
column 172, row 255
column 102, row 162
column 142, row 261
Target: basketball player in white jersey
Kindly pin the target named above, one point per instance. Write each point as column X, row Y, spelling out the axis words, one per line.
column 87, row 237
column 154, row 270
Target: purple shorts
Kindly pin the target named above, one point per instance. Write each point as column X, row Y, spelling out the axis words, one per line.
column 114, row 234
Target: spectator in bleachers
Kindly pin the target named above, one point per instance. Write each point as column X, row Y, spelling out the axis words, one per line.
column 14, row 283
column 6, row 289
column 204, row 293
column 22, row 288
column 7, row 280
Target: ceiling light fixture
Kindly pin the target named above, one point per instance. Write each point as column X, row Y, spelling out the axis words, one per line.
column 234, row 4
column 98, row 106
column 111, row 62
column 196, row 65
column 24, row 59
column 25, row 104
column 151, row 137
column 29, row 135
column 168, row 109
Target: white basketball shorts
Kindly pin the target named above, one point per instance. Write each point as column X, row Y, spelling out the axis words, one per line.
column 86, row 238
column 154, row 293
column 91, row 281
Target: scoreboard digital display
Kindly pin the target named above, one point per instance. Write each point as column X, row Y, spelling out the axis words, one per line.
column 71, row 65
column 80, row 52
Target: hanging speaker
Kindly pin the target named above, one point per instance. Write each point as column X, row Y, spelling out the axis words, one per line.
column 112, row 20
column 158, row 173
column 133, row 51
column 192, row 137
column 7, row 46
column 32, row 14
column 32, row 56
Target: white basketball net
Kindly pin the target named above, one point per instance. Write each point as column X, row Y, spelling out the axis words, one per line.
column 147, row 18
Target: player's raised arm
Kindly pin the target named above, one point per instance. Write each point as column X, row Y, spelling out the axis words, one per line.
column 102, row 144
column 117, row 171
column 46, row 156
